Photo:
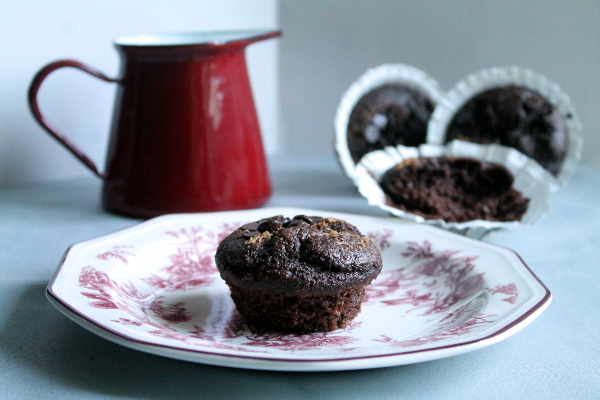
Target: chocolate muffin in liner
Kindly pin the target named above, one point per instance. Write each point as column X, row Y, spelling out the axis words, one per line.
column 514, row 107
column 388, row 105
column 531, row 181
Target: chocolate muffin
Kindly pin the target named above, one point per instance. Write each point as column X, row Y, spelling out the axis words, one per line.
column 516, row 117
column 300, row 275
column 455, row 189
column 389, row 115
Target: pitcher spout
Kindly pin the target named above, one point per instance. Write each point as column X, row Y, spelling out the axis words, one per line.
column 240, row 38
column 260, row 36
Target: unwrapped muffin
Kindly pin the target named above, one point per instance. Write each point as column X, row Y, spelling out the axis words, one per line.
column 300, row 275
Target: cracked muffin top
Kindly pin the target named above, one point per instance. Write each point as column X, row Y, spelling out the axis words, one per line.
column 302, row 255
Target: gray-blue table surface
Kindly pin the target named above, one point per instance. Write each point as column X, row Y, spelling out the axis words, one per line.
column 45, row 355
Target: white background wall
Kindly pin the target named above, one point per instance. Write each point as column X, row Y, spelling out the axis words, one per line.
column 35, row 32
column 327, row 44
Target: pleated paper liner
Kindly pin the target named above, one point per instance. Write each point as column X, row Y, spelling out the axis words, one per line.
column 498, row 77
column 530, row 179
column 372, row 79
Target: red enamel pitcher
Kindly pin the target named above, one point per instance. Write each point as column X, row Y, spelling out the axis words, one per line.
column 185, row 135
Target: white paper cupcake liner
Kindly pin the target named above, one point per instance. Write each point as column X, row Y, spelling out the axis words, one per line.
column 531, row 180
column 496, row 77
column 371, row 79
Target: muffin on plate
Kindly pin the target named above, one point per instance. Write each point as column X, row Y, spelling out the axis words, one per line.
column 300, row 275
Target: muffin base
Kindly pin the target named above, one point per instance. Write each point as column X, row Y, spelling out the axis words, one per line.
column 280, row 312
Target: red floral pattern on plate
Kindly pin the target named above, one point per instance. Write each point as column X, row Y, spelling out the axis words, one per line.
column 476, row 322
column 510, row 289
column 430, row 283
column 119, row 252
column 192, row 265
column 443, row 279
column 303, row 342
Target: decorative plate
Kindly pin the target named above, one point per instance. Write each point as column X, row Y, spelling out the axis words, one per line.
column 154, row 287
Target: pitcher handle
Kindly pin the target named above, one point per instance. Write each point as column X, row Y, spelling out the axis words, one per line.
column 39, row 117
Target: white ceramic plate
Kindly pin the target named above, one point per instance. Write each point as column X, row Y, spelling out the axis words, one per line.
column 154, row 287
